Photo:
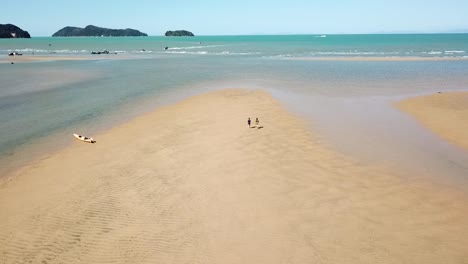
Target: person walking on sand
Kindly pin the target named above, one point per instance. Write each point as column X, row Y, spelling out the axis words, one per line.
column 256, row 122
column 248, row 121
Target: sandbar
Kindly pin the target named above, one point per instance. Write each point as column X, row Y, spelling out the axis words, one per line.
column 192, row 183
column 395, row 58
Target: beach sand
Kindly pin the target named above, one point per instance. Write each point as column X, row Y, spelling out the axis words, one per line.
column 192, row 183
column 446, row 114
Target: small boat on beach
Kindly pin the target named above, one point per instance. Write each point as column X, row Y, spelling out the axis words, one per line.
column 83, row 138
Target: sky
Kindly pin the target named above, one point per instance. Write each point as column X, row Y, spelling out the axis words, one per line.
column 241, row 17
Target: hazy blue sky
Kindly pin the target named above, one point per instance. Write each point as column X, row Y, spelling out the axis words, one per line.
column 210, row 17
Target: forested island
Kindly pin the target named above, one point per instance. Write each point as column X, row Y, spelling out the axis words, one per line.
column 12, row 31
column 179, row 33
column 94, row 31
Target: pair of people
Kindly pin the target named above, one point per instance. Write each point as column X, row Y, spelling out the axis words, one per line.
column 256, row 122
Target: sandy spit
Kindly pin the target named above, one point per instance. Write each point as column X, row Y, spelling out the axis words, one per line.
column 192, row 183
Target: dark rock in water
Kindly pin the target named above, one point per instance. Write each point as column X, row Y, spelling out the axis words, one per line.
column 179, row 33
column 93, row 31
column 12, row 63
column 100, row 52
column 12, row 31
column 166, row 48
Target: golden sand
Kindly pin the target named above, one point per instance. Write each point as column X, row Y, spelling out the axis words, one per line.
column 444, row 113
column 191, row 183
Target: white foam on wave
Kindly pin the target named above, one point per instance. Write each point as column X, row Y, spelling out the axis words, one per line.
column 141, row 51
column 454, row 51
column 236, row 53
column 187, row 52
column 39, row 51
column 65, row 51
column 225, row 53
column 195, row 47
column 27, row 50
column 433, row 52
column 347, row 53
column 279, row 56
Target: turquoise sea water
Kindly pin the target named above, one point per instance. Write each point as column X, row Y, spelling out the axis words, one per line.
column 427, row 45
column 42, row 103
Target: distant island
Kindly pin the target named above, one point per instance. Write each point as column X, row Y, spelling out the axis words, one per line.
column 93, row 31
column 12, row 31
column 179, row 33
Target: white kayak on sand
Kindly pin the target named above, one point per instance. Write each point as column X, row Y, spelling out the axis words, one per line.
column 83, row 138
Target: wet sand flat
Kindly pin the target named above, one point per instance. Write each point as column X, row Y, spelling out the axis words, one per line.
column 44, row 58
column 401, row 58
column 192, row 183
column 446, row 114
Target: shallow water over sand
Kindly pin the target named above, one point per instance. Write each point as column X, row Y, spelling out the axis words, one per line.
column 372, row 130
column 347, row 102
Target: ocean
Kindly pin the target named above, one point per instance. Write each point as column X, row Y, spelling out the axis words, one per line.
column 425, row 45
column 347, row 101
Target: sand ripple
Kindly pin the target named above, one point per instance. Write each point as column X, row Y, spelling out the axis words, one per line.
column 191, row 183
